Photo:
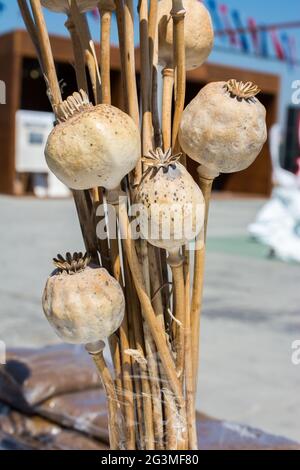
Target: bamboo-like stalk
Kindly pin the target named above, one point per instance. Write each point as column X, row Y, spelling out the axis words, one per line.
column 205, row 182
column 169, row 405
column 31, row 28
column 145, row 78
column 115, row 436
column 125, row 19
column 82, row 28
column 178, row 15
column 46, row 52
column 189, row 377
column 78, row 55
column 168, row 85
column 175, row 261
column 142, row 386
column 146, row 146
column 143, row 375
column 151, row 355
column 130, row 60
column 106, row 9
column 126, row 364
column 150, row 317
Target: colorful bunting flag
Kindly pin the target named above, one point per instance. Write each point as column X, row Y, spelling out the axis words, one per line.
column 264, row 46
column 277, row 45
column 213, row 7
column 254, row 35
column 233, row 39
column 239, row 25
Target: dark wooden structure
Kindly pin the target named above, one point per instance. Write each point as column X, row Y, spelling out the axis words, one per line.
column 26, row 90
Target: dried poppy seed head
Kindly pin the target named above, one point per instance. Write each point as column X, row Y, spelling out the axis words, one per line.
column 224, row 127
column 63, row 6
column 83, row 304
column 198, row 33
column 92, row 146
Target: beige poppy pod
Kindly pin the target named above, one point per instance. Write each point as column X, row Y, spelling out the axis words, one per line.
column 63, row 6
column 198, row 33
column 224, row 126
column 83, row 304
column 171, row 205
column 92, row 146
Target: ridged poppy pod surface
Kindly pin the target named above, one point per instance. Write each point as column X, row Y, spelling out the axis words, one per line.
column 83, row 304
column 198, row 33
column 171, row 211
column 224, row 126
column 63, row 6
column 92, row 146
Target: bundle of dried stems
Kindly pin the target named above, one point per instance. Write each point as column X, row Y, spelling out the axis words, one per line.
column 151, row 385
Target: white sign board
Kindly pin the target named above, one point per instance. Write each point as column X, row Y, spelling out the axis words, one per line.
column 32, row 130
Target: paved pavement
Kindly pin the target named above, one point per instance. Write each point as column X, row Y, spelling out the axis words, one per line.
column 251, row 309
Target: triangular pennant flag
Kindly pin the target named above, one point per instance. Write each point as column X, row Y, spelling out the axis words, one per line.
column 233, row 39
column 277, row 45
column 218, row 25
column 254, row 34
column 239, row 25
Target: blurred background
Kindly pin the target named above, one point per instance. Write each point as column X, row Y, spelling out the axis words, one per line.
column 251, row 315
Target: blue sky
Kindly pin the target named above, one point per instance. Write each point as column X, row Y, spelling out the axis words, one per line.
column 264, row 12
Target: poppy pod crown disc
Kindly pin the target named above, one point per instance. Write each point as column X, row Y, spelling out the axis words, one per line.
column 92, row 146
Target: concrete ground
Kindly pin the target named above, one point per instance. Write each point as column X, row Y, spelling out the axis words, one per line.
column 251, row 308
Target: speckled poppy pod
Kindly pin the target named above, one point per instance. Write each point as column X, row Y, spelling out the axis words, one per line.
column 63, row 6
column 224, row 126
column 92, row 145
column 198, row 33
column 82, row 303
column 172, row 203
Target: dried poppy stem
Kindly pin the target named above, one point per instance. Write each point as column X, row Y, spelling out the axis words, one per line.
column 46, row 52
column 142, row 385
column 151, row 355
column 126, row 365
column 146, row 146
column 189, row 377
column 168, row 85
column 157, row 301
column 106, row 11
column 31, row 28
column 145, row 78
column 175, row 261
column 115, row 436
column 125, row 19
column 82, row 28
column 78, row 55
column 150, row 317
column 178, row 15
column 205, row 181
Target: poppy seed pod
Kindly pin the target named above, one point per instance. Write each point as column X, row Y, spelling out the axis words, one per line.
column 224, row 126
column 63, row 6
column 198, row 33
column 92, row 145
column 171, row 203
column 83, row 304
